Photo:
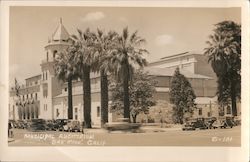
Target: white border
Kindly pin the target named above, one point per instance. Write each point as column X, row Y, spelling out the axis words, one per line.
column 173, row 154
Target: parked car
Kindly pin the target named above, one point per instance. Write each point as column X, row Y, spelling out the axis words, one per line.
column 21, row 124
column 196, row 123
column 122, row 124
column 237, row 120
column 73, row 126
column 227, row 122
column 59, row 123
column 210, row 122
column 14, row 123
column 50, row 125
column 37, row 125
column 189, row 125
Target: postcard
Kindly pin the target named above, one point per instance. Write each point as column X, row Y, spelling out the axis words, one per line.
column 127, row 81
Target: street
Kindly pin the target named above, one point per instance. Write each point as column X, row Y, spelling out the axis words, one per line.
column 99, row 137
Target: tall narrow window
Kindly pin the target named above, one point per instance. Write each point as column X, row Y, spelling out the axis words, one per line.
column 47, row 56
column 57, row 112
column 200, row 111
column 46, row 75
column 36, row 96
column 98, row 111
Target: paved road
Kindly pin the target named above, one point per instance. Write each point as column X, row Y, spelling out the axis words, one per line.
column 217, row 137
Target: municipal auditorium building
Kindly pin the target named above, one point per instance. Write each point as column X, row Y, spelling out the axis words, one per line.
column 43, row 96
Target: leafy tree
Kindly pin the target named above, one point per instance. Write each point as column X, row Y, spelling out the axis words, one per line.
column 83, row 58
column 141, row 91
column 182, row 96
column 128, row 56
column 65, row 71
column 224, row 54
column 104, row 46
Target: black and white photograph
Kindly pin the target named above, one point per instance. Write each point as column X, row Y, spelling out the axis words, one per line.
column 125, row 76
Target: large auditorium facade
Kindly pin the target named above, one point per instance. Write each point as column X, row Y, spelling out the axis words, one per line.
column 43, row 96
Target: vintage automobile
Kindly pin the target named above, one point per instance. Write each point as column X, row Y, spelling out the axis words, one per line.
column 237, row 120
column 210, row 122
column 14, row 123
column 73, row 126
column 50, row 125
column 189, row 125
column 21, row 124
column 196, row 123
column 59, row 123
column 37, row 125
column 122, row 124
column 227, row 122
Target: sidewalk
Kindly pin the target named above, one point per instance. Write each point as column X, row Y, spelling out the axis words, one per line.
column 158, row 128
column 143, row 129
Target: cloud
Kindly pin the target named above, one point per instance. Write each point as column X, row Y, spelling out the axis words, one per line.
column 93, row 16
column 164, row 39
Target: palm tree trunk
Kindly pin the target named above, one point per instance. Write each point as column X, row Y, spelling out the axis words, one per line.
column 126, row 97
column 233, row 100
column 87, row 97
column 104, row 98
column 70, row 103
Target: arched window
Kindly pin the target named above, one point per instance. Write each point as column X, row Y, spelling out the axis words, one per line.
column 54, row 54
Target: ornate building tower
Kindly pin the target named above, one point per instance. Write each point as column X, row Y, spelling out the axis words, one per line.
column 50, row 85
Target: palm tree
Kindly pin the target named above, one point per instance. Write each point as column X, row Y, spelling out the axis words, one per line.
column 84, row 43
column 104, row 46
column 224, row 53
column 66, row 72
column 128, row 57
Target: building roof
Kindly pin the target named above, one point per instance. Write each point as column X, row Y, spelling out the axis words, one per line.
column 170, row 72
column 60, row 33
column 35, row 76
column 174, row 56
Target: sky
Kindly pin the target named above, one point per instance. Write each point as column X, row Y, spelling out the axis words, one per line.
column 167, row 31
